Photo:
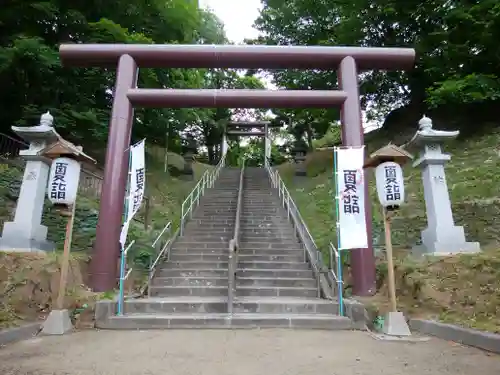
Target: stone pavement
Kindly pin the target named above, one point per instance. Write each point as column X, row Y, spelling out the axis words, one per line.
column 239, row 352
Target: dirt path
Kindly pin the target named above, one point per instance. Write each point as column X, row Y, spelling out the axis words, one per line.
column 256, row 352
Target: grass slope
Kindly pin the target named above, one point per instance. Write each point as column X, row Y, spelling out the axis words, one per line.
column 471, row 284
column 28, row 283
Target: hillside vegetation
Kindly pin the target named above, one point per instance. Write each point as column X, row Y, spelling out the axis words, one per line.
column 29, row 282
column 464, row 289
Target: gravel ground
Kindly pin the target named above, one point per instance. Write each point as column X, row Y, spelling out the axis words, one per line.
column 252, row 352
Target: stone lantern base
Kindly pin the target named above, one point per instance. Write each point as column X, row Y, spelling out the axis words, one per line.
column 14, row 239
column 187, row 171
column 300, row 171
column 445, row 241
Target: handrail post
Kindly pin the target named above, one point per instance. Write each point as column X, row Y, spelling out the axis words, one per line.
column 123, row 277
column 288, row 205
column 234, row 244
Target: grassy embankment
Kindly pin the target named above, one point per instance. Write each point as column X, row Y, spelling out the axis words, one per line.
column 461, row 289
column 29, row 283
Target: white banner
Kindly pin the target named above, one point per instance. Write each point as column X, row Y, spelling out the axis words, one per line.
column 137, row 175
column 224, row 144
column 268, row 147
column 351, row 198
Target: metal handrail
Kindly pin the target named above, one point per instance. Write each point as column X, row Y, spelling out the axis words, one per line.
column 322, row 273
column 234, row 245
column 335, row 270
column 163, row 249
column 193, row 198
column 123, row 278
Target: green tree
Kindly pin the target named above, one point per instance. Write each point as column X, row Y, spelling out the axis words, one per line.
column 33, row 79
column 455, row 43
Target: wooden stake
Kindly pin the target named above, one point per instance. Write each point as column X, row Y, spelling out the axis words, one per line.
column 390, row 263
column 65, row 259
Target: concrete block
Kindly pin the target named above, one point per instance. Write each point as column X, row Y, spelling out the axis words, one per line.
column 57, row 323
column 467, row 336
column 395, row 324
column 11, row 335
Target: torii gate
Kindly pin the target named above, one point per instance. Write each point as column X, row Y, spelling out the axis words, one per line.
column 249, row 124
column 127, row 58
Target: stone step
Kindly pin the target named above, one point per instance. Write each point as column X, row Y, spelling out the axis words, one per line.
column 297, row 257
column 179, row 291
column 268, row 221
column 263, row 305
column 277, row 282
column 268, row 240
column 284, row 227
column 241, row 264
column 263, row 220
column 263, row 291
column 267, row 203
column 293, row 252
column 195, row 256
column 209, row 217
column 273, row 265
column 213, row 247
column 214, row 222
column 275, row 237
column 269, row 245
column 194, row 265
column 223, row 321
column 223, row 251
column 201, row 273
column 190, row 281
column 214, row 201
column 222, row 256
column 276, row 273
column 271, row 202
column 202, row 229
column 200, row 245
column 204, row 237
column 157, row 290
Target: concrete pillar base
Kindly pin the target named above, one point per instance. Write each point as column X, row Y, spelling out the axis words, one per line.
column 395, row 325
column 57, row 323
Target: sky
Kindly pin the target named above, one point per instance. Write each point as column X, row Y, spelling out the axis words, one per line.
column 238, row 17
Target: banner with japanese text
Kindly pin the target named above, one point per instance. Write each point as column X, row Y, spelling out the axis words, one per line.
column 351, row 198
column 137, row 181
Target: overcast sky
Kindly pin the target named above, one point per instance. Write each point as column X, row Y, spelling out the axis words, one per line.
column 238, row 16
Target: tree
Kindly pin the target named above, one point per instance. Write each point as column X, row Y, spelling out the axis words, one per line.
column 455, row 43
column 33, row 79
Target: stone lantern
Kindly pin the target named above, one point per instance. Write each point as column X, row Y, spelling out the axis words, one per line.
column 299, row 153
column 26, row 233
column 442, row 236
column 189, row 150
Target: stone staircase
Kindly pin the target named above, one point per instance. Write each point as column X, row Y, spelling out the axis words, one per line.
column 275, row 286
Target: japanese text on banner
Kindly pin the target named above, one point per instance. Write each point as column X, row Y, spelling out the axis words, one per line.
column 351, row 198
column 136, row 186
column 58, row 188
column 392, row 189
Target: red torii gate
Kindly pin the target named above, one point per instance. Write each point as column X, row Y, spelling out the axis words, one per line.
column 129, row 57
